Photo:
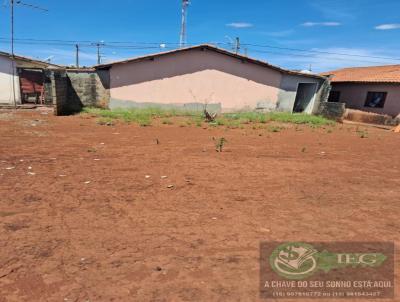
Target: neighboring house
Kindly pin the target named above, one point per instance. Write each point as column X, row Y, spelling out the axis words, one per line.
column 24, row 77
column 374, row 89
column 194, row 76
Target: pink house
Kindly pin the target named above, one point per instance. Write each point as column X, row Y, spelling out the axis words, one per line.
column 194, row 76
column 374, row 89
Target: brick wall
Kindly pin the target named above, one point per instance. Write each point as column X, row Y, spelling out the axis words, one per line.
column 89, row 86
column 70, row 90
column 58, row 91
column 332, row 110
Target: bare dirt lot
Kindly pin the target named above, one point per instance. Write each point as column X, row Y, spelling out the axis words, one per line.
column 86, row 213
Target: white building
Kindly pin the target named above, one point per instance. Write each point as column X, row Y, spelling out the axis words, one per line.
column 22, row 77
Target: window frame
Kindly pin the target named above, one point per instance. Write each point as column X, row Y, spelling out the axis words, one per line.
column 371, row 95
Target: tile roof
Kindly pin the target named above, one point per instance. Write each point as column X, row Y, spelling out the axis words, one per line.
column 373, row 74
column 218, row 50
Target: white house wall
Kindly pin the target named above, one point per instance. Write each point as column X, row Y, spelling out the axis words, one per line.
column 6, row 80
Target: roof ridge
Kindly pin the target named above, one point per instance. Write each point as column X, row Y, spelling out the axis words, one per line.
column 362, row 67
column 29, row 59
column 216, row 49
column 367, row 74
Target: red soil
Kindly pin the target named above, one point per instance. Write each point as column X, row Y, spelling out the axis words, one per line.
column 73, row 228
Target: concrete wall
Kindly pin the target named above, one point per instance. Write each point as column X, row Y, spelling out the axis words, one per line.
column 288, row 90
column 334, row 111
column 194, row 77
column 6, row 80
column 70, row 90
column 355, row 95
column 89, row 87
column 59, row 93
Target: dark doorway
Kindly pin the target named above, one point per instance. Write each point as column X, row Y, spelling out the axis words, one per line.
column 334, row 96
column 32, row 88
column 304, row 97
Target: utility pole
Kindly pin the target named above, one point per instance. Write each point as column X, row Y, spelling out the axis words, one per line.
column 182, row 40
column 12, row 54
column 98, row 54
column 237, row 45
column 12, row 41
column 98, row 45
column 77, row 56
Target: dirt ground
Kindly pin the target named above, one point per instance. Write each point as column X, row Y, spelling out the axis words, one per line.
column 86, row 214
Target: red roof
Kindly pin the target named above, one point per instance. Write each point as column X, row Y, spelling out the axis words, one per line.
column 373, row 74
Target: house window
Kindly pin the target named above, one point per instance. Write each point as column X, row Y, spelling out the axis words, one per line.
column 375, row 99
column 334, row 96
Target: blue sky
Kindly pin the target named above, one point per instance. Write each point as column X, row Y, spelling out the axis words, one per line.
column 332, row 29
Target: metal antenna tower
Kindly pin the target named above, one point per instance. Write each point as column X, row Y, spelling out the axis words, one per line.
column 31, row 6
column 182, row 41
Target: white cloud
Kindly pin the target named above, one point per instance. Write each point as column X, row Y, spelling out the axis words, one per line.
column 388, row 26
column 240, row 25
column 311, row 24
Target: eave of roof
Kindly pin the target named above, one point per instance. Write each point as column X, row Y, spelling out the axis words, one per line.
column 212, row 48
column 386, row 74
column 25, row 59
column 80, row 69
column 367, row 82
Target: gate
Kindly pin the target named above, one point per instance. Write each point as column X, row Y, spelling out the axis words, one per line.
column 32, row 86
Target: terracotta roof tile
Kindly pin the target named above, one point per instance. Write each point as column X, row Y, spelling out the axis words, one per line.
column 375, row 74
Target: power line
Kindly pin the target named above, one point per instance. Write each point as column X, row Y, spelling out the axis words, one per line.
column 134, row 45
column 310, row 56
column 89, row 41
column 12, row 4
column 98, row 45
column 94, row 45
column 156, row 46
column 321, row 52
column 12, row 54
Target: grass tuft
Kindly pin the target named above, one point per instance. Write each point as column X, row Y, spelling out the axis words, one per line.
column 141, row 116
column 144, row 116
column 362, row 133
column 105, row 121
column 275, row 128
column 167, row 122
